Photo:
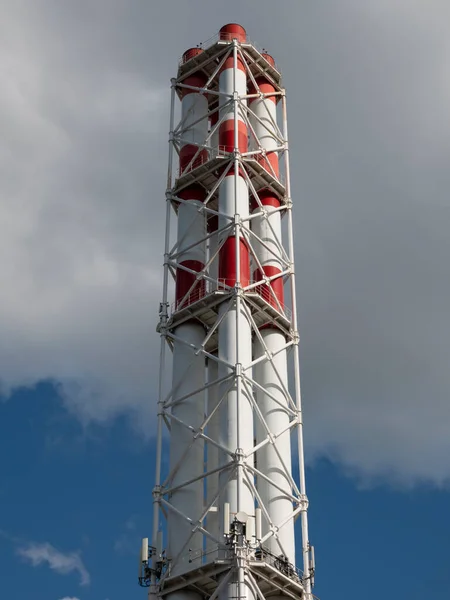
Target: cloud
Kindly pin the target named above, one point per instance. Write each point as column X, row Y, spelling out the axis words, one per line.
column 69, row 598
column 78, row 138
column 371, row 231
column 84, row 119
column 62, row 563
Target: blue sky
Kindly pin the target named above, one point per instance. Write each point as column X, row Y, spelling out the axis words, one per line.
column 84, row 118
column 88, row 493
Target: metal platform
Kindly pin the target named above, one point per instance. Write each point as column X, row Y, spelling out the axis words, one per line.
column 205, row 310
column 204, row 580
column 272, row 582
column 208, row 173
column 206, row 62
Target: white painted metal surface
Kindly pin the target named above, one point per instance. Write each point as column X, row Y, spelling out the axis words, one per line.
column 186, row 454
column 212, row 457
column 272, row 394
column 263, row 119
column 191, row 232
column 194, row 108
column 267, row 242
column 274, row 460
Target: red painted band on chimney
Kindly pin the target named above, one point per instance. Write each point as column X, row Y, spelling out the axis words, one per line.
column 271, row 159
column 227, row 262
column 226, row 136
column 187, row 153
column 193, row 192
column 184, row 281
column 267, row 198
column 272, row 290
column 264, row 87
column 229, row 63
column 214, row 117
column 231, row 171
column 197, row 80
column 212, row 223
column 270, row 59
column 190, row 53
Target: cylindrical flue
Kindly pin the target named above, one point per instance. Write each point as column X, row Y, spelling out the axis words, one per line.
column 235, row 346
column 191, row 246
column 235, row 333
column 212, row 457
column 213, row 412
column 267, row 226
column 186, row 454
column 194, row 116
column 274, row 460
column 191, row 221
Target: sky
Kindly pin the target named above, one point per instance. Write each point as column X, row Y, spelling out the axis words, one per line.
column 83, row 147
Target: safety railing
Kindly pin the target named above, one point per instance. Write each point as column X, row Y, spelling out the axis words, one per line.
column 203, row 289
column 203, row 158
column 256, row 554
column 223, row 36
column 281, row 563
column 199, row 292
column 267, row 293
column 222, row 152
column 195, row 295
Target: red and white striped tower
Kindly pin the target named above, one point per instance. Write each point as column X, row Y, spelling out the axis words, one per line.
column 226, row 501
column 235, row 334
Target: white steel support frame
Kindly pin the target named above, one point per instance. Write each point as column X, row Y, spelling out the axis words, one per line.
column 225, row 380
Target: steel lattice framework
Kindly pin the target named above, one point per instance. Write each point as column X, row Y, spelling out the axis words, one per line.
column 224, row 513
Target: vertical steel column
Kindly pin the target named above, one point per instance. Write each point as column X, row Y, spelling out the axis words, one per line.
column 298, row 396
column 163, row 322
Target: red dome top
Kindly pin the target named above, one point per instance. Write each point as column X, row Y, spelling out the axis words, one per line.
column 231, row 31
column 190, row 53
column 269, row 58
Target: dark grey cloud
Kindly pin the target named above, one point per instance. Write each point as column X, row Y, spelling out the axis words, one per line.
column 84, row 119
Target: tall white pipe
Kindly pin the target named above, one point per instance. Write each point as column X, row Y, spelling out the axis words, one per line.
column 194, row 118
column 235, row 347
column 265, row 109
column 191, row 222
column 185, row 548
column 212, row 458
column 194, row 107
column 187, row 455
column 271, row 374
column 235, row 335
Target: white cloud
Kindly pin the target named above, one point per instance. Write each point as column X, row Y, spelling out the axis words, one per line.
column 60, row 562
column 78, row 281
column 83, row 121
column 69, row 598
